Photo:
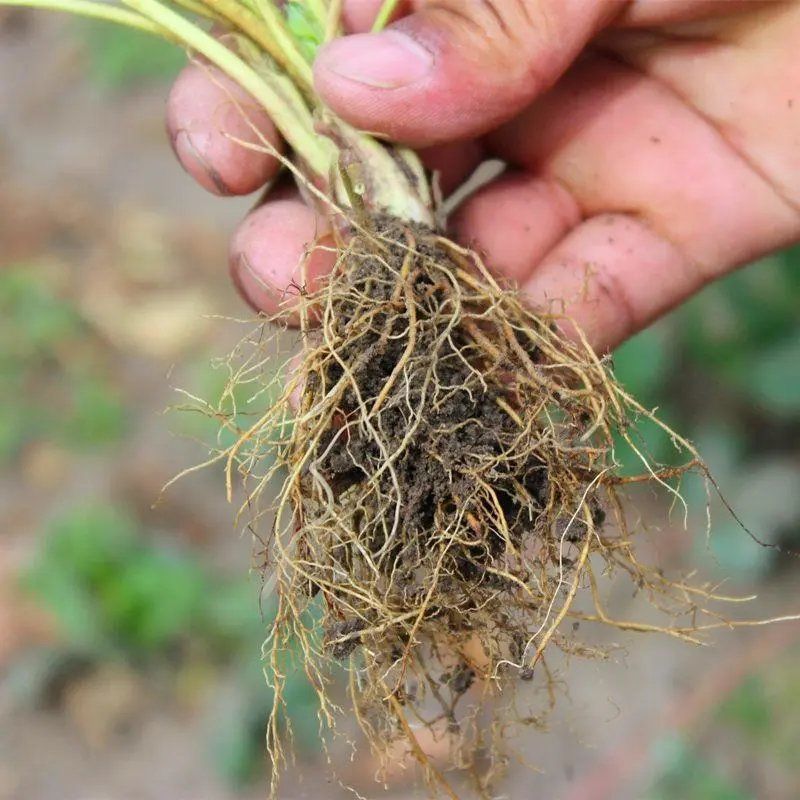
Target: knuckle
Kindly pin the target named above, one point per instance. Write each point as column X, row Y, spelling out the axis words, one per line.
column 502, row 33
column 489, row 22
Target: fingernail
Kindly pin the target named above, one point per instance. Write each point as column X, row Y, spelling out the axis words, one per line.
column 387, row 60
column 188, row 154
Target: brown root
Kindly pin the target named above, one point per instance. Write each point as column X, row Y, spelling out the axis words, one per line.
column 445, row 484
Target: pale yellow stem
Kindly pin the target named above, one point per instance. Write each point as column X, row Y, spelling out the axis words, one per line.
column 385, row 12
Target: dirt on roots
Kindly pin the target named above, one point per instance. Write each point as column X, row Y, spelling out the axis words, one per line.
column 444, row 488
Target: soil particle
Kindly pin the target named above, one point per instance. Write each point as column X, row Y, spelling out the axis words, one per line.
column 342, row 637
column 460, row 679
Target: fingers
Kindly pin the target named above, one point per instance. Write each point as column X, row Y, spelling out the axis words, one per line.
column 455, row 68
column 274, row 248
column 613, row 276
column 645, row 13
column 743, row 77
column 670, row 204
column 619, row 141
column 514, row 222
column 206, row 113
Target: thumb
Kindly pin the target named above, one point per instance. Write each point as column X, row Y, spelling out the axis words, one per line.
column 455, row 68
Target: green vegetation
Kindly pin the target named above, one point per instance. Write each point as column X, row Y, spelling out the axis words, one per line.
column 691, row 777
column 305, row 27
column 740, row 338
column 764, row 712
column 113, row 593
column 118, row 58
column 53, row 382
column 758, row 723
column 725, row 370
column 118, row 594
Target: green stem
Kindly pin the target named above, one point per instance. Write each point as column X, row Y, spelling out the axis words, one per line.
column 317, row 8
column 296, row 64
column 196, row 7
column 384, row 13
column 267, row 35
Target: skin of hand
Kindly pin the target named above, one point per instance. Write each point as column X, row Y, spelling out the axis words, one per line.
column 652, row 145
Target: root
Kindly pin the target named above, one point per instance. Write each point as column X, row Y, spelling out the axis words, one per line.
column 444, row 487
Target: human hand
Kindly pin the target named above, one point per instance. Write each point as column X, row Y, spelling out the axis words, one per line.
column 652, row 145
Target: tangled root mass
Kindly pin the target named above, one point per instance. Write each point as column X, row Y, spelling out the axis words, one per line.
column 447, row 460
column 446, row 479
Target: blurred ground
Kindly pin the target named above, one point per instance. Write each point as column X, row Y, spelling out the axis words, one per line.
column 130, row 635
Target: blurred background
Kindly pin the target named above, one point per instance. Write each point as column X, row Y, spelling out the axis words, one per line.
column 130, row 634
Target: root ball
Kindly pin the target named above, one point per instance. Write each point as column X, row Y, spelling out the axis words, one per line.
column 446, row 480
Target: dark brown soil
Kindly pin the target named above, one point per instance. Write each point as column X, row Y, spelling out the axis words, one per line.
column 444, row 426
